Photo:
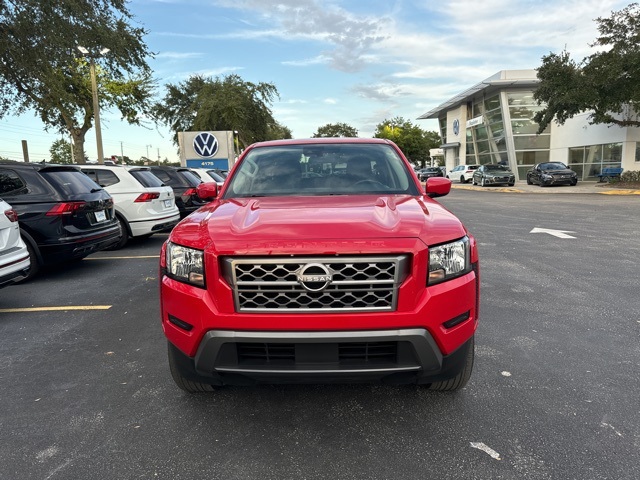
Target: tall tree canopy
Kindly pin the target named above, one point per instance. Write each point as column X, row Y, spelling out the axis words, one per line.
column 41, row 68
column 606, row 82
column 336, row 130
column 412, row 140
column 227, row 103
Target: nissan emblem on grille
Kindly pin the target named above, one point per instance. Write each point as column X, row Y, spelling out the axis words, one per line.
column 314, row 277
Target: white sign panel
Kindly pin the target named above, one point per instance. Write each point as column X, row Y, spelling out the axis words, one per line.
column 206, row 146
column 475, row 121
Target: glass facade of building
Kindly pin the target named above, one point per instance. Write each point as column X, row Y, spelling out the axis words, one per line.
column 487, row 141
column 529, row 147
column 588, row 161
column 506, row 115
column 496, row 122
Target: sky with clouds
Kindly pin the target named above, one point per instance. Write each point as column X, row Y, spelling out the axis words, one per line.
column 353, row 61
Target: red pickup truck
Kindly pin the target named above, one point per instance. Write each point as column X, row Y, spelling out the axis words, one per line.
column 320, row 260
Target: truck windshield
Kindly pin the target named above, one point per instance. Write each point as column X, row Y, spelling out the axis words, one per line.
column 322, row 169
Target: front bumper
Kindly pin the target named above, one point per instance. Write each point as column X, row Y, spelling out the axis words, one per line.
column 388, row 356
column 558, row 181
column 500, row 180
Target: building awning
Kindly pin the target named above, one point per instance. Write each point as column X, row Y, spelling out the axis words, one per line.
column 445, row 146
column 502, row 79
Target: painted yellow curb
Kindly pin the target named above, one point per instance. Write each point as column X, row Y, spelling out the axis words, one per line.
column 620, row 192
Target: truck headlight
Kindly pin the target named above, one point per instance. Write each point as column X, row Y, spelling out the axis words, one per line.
column 185, row 264
column 449, row 260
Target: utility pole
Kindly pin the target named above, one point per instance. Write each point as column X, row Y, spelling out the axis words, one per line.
column 158, row 156
column 122, row 153
column 94, row 87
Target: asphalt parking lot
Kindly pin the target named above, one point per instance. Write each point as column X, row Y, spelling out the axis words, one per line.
column 554, row 394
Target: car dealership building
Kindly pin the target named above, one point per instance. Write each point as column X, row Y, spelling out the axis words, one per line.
column 492, row 122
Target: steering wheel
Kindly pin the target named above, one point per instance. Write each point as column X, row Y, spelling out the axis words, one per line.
column 370, row 182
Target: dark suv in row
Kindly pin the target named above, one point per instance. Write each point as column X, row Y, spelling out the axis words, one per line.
column 184, row 183
column 63, row 214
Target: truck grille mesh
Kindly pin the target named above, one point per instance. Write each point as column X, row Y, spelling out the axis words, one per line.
column 347, row 283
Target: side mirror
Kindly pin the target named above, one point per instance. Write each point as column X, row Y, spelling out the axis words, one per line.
column 437, row 187
column 207, row 190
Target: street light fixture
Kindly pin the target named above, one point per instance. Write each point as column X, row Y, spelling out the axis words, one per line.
column 94, row 87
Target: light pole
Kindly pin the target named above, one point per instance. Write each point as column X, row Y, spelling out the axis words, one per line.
column 94, row 87
column 148, row 160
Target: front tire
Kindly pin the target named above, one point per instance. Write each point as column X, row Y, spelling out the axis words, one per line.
column 529, row 182
column 462, row 378
column 482, row 182
column 189, row 386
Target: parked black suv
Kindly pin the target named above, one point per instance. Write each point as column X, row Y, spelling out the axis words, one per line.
column 184, row 183
column 63, row 214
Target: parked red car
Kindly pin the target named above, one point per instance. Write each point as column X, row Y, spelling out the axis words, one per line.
column 321, row 260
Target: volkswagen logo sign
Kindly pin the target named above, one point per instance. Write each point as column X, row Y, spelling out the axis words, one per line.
column 314, row 277
column 456, row 127
column 205, row 145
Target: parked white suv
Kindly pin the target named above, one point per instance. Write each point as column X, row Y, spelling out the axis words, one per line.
column 462, row 173
column 14, row 256
column 143, row 204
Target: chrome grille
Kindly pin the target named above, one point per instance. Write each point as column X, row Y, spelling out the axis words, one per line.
column 356, row 283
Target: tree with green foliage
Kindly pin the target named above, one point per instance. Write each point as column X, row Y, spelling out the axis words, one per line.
column 61, row 152
column 218, row 104
column 607, row 83
column 41, row 69
column 412, row 140
column 336, row 130
column 277, row 131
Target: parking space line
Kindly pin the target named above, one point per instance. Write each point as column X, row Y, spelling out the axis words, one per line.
column 55, row 309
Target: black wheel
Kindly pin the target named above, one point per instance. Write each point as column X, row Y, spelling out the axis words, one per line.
column 511, row 184
column 473, row 181
column 482, row 182
column 34, row 268
column 124, row 234
column 183, row 383
column 462, row 180
column 529, row 182
column 574, row 183
column 461, row 379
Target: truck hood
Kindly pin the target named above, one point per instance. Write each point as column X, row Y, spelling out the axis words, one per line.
column 254, row 224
